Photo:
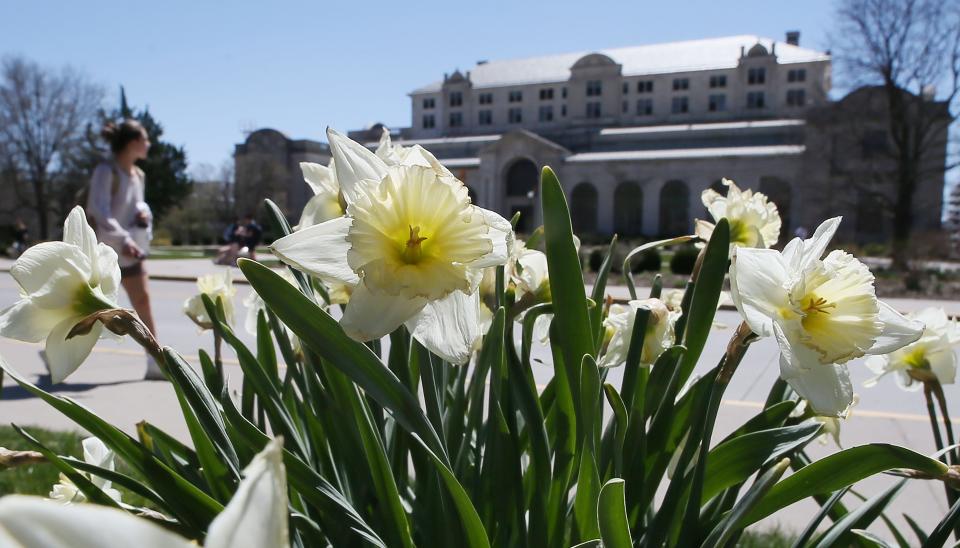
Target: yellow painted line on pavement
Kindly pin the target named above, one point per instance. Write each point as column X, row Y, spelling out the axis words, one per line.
column 854, row 413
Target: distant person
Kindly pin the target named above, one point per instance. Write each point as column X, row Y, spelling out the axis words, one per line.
column 20, row 237
column 253, row 234
column 122, row 219
column 235, row 237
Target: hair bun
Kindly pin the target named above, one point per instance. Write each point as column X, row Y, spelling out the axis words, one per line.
column 109, row 131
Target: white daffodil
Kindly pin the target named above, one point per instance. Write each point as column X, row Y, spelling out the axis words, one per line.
column 254, row 304
column 754, row 220
column 529, row 275
column 411, row 248
column 326, row 202
column 619, row 332
column 60, row 284
column 213, row 286
column 823, row 313
column 255, row 517
column 95, row 452
column 930, row 358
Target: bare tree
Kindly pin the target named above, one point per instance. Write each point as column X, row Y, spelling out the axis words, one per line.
column 42, row 115
column 911, row 49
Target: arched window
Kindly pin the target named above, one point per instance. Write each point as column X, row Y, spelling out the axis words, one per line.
column 779, row 192
column 522, row 178
column 583, row 208
column 674, row 209
column 628, row 209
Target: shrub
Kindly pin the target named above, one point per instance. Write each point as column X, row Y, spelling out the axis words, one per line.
column 648, row 261
column 684, row 259
column 596, row 259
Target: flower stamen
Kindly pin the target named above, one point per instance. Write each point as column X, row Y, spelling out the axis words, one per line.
column 817, row 304
column 413, row 250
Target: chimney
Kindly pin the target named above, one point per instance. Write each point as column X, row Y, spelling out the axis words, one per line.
column 793, row 37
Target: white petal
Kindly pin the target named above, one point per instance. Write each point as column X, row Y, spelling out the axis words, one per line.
column 370, row 316
column 43, row 261
column 450, row 327
column 257, row 514
column 320, row 178
column 944, row 365
column 898, row 331
column 77, row 232
column 826, row 387
column 501, row 235
column 320, row 250
column 757, row 278
column 800, row 254
column 65, row 356
column 109, row 271
column 354, row 163
column 25, row 321
column 32, row 522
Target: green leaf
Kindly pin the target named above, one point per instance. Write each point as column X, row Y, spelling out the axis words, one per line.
column 771, row 417
column 917, row 530
column 734, row 461
column 860, row 518
column 123, row 480
column 811, row 527
column 706, row 295
column 840, row 470
column 585, row 501
column 474, row 534
column 734, row 521
column 195, row 509
column 319, row 331
column 941, row 534
column 620, row 421
column 599, row 288
column 871, row 539
column 566, row 279
column 93, row 493
column 612, row 516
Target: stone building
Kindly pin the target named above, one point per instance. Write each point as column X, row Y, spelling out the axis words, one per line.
column 636, row 134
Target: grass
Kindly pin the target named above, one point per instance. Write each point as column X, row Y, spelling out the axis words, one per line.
column 39, row 479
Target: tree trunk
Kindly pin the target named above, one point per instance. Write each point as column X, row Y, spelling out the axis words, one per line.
column 41, row 205
column 903, row 219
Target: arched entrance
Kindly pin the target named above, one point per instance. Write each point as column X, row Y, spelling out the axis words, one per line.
column 520, row 188
column 583, row 209
column 674, row 209
column 628, row 209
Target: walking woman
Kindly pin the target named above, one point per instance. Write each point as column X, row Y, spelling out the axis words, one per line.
column 122, row 219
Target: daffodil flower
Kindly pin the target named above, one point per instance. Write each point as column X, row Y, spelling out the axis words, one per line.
column 256, row 516
column 411, row 248
column 619, row 332
column 930, row 358
column 823, row 313
column 95, row 452
column 212, row 285
column 326, row 202
column 754, row 220
column 60, row 284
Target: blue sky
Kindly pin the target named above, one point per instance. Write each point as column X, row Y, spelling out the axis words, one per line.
column 209, row 70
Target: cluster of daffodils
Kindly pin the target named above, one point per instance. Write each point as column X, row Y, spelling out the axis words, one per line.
column 410, row 248
column 218, row 285
column 619, row 325
column 754, row 219
column 61, row 283
column 930, row 359
column 255, row 516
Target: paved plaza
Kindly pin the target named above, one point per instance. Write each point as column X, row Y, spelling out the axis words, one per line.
column 110, row 384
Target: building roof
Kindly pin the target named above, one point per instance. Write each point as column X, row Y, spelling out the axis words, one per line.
column 691, row 55
column 687, row 153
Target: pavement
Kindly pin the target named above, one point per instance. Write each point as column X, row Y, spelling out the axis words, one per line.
column 110, row 384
